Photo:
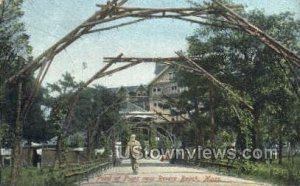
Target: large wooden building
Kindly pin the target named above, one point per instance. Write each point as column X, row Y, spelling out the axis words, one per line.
column 162, row 87
column 153, row 97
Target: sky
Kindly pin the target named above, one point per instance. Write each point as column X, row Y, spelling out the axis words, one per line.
column 49, row 20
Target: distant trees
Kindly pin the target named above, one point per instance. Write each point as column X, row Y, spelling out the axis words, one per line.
column 254, row 71
column 95, row 112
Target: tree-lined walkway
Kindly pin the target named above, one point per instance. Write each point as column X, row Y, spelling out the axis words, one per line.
column 154, row 172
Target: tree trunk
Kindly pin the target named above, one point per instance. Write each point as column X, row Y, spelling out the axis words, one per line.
column 2, row 119
column 60, row 152
column 199, row 128
column 258, row 140
column 113, row 141
column 17, row 150
column 2, row 106
column 152, row 138
column 253, row 137
column 29, row 157
column 280, row 148
column 89, row 142
column 212, row 118
column 57, row 152
column 200, row 134
column 241, row 142
column 1, row 172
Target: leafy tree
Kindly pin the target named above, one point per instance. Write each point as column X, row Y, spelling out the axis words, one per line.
column 252, row 70
column 36, row 127
column 5, row 139
column 95, row 112
column 15, row 53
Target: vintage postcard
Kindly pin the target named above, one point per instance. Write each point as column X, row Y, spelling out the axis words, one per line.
column 149, row 92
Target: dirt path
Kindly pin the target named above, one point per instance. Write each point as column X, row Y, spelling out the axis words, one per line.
column 153, row 172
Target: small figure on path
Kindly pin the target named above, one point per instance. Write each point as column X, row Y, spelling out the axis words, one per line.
column 134, row 150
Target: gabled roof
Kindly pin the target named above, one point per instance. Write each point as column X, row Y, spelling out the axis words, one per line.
column 141, row 88
column 159, row 75
column 159, row 67
column 128, row 107
column 128, row 88
column 122, row 89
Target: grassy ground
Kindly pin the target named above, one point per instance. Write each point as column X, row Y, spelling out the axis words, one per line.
column 288, row 173
column 32, row 176
column 36, row 177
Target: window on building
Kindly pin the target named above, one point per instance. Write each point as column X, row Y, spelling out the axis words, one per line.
column 160, row 105
column 169, row 89
column 155, row 104
column 154, row 89
column 171, row 75
column 166, row 106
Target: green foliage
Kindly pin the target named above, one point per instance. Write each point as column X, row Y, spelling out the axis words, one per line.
column 55, row 178
column 226, row 137
column 36, row 128
column 5, row 137
column 35, row 177
column 64, row 86
column 153, row 142
column 252, row 70
column 75, row 140
column 284, row 174
column 91, row 103
column 122, row 93
column 125, row 134
column 167, row 144
column 15, row 53
column 107, row 149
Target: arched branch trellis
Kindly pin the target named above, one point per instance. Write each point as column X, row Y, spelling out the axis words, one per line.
column 114, row 10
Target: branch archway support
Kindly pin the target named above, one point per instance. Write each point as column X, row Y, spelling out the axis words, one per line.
column 114, row 10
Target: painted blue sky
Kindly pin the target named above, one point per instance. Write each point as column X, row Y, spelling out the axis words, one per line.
column 49, row 20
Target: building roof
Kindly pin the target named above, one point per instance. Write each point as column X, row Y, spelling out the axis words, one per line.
column 159, row 75
column 128, row 107
column 159, row 67
column 131, row 110
column 141, row 88
column 128, row 88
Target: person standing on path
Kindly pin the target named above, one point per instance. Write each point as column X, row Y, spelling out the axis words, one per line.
column 134, row 150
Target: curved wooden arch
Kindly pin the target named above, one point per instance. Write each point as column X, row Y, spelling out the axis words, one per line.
column 113, row 10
